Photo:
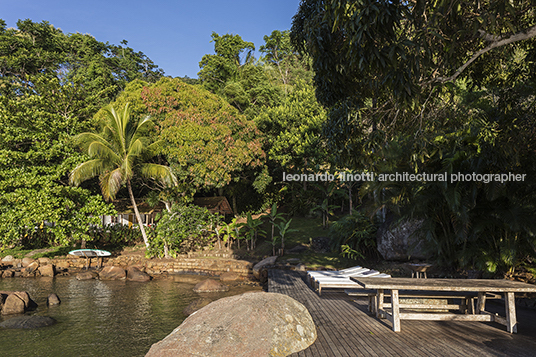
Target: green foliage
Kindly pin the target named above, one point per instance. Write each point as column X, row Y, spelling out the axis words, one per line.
column 283, row 228
column 375, row 49
column 231, row 232
column 253, row 227
column 293, row 128
column 183, row 229
column 114, row 236
column 468, row 223
column 288, row 65
column 119, row 151
column 51, row 85
column 433, row 87
column 354, row 236
column 207, row 142
column 233, row 74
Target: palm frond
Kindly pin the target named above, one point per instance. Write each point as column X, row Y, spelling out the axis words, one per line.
column 103, row 151
column 136, row 148
column 87, row 170
column 110, row 183
column 159, row 172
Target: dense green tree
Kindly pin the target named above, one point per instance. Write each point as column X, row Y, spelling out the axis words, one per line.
column 208, row 143
column 361, row 48
column 118, row 153
column 234, row 74
column 51, row 85
column 280, row 57
column 435, row 87
column 293, row 128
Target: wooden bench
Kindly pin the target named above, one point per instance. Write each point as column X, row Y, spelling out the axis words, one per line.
column 466, row 304
column 465, row 287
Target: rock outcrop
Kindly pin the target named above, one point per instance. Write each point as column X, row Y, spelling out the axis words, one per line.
column 399, row 241
column 47, row 270
column 53, row 299
column 112, row 273
column 24, row 322
column 87, row 275
column 30, row 268
column 17, row 302
column 135, row 274
column 251, row 324
column 259, row 270
column 210, row 286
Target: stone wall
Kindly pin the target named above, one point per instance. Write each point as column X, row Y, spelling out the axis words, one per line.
column 211, row 266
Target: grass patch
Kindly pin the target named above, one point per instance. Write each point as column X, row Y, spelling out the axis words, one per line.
column 19, row 252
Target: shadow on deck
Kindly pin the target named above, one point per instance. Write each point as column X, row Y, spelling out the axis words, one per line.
column 345, row 328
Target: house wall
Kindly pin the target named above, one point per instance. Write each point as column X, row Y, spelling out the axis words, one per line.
column 128, row 219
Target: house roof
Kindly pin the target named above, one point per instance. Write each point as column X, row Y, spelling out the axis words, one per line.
column 214, row 204
column 124, row 206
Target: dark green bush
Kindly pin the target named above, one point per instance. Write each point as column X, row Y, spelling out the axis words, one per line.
column 185, row 228
column 354, row 235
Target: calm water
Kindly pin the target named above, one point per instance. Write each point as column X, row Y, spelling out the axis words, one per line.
column 101, row 318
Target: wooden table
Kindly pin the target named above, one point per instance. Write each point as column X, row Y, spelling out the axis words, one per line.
column 480, row 286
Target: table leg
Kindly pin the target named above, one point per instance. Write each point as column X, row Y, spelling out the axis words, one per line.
column 379, row 303
column 396, row 310
column 463, row 305
column 511, row 321
column 481, row 303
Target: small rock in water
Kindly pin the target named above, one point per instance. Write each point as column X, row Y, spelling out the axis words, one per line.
column 209, row 286
column 86, row 275
column 24, row 322
column 53, row 299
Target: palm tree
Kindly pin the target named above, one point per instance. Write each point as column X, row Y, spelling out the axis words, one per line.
column 119, row 151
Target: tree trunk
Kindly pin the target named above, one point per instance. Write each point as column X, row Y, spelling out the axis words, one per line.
column 138, row 217
column 351, row 203
column 166, row 248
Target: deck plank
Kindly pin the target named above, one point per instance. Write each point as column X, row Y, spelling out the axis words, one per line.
column 345, row 328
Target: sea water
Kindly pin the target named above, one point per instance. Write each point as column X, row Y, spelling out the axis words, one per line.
column 101, row 318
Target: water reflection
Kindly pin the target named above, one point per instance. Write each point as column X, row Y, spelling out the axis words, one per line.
column 101, row 318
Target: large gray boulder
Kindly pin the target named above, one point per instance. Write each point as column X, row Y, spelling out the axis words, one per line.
column 400, row 240
column 259, row 270
column 249, row 325
column 28, row 322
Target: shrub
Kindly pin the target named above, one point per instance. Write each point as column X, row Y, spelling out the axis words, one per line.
column 354, row 235
column 185, row 228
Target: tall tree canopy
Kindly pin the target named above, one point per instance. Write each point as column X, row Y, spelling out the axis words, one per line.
column 363, row 48
column 434, row 87
column 234, row 74
column 119, row 152
column 51, row 85
column 208, row 142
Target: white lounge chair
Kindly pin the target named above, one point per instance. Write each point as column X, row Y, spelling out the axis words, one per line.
column 344, row 282
column 312, row 275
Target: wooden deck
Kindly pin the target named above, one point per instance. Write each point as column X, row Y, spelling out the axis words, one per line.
column 345, row 328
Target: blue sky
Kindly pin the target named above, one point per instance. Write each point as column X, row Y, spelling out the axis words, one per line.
column 174, row 34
